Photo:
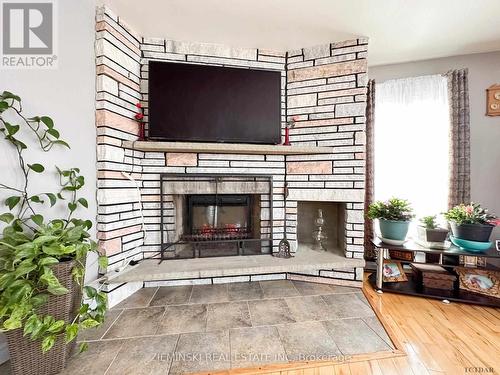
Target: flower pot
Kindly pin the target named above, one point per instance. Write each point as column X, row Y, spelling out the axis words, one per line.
column 432, row 235
column 393, row 229
column 471, row 232
column 26, row 356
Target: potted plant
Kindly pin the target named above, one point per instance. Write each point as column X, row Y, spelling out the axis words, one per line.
column 394, row 217
column 42, row 261
column 428, row 230
column 470, row 222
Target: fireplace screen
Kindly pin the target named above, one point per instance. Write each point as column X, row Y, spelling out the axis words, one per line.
column 207, row 216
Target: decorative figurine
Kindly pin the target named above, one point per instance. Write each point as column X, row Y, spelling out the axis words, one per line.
column 318, row 236
column 289, row 125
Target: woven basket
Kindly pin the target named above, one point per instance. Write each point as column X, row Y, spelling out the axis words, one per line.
column 26, row 356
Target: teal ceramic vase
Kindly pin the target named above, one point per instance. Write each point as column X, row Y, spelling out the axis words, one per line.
column 394, row 230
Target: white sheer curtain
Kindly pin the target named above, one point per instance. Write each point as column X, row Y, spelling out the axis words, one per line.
column 411, row 142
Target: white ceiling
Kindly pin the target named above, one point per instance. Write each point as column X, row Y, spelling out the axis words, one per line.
column 399, row 30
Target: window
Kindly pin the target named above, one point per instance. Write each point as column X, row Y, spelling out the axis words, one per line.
column 411, row 143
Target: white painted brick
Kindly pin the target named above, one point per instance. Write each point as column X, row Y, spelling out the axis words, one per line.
column 164, row 56
column 110, row 153
column 299, row 65
column 306, row 100
column 350, row 109
column 335, row 59
column 316, row 52
column 106, row 83
column 312, row 82
column 206, row 49
column 105, row 48
column 156, row 41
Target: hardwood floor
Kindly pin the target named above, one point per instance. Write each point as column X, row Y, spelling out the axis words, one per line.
column 436, row 339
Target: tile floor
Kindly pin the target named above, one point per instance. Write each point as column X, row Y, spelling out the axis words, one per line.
column 184, row 329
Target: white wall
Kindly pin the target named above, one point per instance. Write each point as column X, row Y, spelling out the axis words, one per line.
column 484, row 70
column 67, row 95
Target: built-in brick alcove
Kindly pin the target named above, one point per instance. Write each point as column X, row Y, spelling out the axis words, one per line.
column 333, row 228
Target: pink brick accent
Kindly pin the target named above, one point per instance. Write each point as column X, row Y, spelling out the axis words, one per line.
column 309, row 167
column 323, row 71
column 111, row 247
column 112, row 120
column 102, row 139
column 118, row 232
column 150, row 198
column 174, row 159
column 360, row 155
column 103, row 69
column 335, row 94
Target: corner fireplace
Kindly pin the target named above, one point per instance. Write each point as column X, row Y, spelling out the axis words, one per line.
column 208, row 216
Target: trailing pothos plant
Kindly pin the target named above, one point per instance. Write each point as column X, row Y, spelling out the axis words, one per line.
column 31, row 245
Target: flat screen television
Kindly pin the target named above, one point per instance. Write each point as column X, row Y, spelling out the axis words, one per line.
column 202, row 103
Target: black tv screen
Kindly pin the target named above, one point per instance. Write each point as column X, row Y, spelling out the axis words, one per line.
column 190, row 102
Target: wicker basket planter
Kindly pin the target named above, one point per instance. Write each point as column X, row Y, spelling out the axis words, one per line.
column 26, row 356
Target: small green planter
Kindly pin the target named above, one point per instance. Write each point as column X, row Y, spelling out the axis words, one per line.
column 393, row 229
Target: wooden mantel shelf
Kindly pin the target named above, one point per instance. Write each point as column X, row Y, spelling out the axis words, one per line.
column 225, row 148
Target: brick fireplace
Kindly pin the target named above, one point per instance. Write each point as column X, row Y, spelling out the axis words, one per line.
column 324, row 87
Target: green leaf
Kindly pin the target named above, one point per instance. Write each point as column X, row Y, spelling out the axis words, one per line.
column 3, row 106
column 83, row 347
column 83, row 202
column 71, row 206
column 103, row 261
column 52, row 198
column 53, row 284
column 54, row 133
column 90, row 292
column 30, row 324
column 56, row 326
column 39, row 299
column 12, row 323
column 48, row 261
column 89, row 323
column 71, row 332
column 11, row 202
column 38, row 168
column 37, row 219
column 47, row 121
column 25, row 267
column 11, row 129
column 48, row 343
column 61, row 142
column 60, row 196
column 6, row 217
column 9, row 95
column 36, row 199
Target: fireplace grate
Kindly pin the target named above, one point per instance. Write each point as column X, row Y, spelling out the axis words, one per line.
column 217, row 234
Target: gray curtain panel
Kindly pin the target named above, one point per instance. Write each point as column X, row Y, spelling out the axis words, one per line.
column 370, row 119
column 458, row 93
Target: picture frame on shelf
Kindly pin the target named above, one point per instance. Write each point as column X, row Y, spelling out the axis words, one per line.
column 393, row 272
column 479, row 281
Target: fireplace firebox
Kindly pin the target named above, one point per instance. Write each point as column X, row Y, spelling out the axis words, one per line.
column 207, row 216
column 218, row 217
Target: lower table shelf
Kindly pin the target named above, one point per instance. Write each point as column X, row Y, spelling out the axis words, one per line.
column 411, row 288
